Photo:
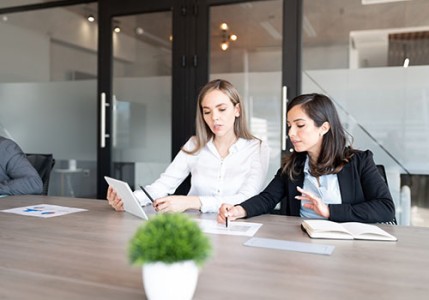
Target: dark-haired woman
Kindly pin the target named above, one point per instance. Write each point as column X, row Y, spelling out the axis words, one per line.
column 324, row 177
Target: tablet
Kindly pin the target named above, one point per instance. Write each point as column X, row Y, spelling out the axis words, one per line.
column 131, row 203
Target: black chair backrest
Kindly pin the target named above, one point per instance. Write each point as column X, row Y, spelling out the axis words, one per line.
column 43, row 163
column 382, row 171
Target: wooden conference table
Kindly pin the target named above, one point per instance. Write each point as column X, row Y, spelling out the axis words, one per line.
column 83, row 256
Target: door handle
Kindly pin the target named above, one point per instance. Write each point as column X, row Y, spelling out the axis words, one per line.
column 103, row 107
column 283, row 118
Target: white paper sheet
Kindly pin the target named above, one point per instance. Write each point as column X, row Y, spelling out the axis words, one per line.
column 290, row 246
column 234, row 228
column 43, row 210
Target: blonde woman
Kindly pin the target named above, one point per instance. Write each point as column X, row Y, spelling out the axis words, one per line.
column 227, row 163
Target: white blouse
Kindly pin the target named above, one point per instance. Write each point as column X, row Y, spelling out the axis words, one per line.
column 233, row 179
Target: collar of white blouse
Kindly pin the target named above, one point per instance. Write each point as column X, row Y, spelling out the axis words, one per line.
column 234, row 147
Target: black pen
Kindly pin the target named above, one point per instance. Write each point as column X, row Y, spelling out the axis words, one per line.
column 226, row 219
column 147, row 194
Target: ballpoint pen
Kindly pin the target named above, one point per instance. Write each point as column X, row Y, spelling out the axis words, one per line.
column 147, row 194
column 226, row 219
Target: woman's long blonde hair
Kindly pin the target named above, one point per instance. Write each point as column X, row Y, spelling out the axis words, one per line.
column 203, row 132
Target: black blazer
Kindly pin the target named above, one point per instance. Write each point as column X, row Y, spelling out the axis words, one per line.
column 364, row 193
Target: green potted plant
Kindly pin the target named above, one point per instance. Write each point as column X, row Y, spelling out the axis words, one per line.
column 170, row 248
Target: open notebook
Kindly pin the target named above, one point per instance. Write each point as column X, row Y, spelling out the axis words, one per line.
column 324, row 229
column 131, row 203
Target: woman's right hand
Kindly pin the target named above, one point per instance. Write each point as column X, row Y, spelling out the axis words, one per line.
column 230, row 211
column 114, row 200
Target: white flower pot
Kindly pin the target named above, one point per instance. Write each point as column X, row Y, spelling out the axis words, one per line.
column 170, row 281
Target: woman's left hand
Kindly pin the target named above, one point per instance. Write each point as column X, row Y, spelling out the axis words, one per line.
column 314, row 203
column 176, row 203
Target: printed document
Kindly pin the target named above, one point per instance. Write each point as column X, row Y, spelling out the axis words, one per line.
column 234, row 228
column 43, row 210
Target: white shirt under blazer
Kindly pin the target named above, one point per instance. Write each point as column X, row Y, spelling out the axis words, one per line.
column 216, row 180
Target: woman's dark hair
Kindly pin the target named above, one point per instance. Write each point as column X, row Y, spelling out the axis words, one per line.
column 335, row 152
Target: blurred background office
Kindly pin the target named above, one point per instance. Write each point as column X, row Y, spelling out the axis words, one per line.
column 109, row 87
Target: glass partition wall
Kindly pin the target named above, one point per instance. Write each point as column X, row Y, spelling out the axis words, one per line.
column 372, row 58
column 141, row 129
column 48, row 91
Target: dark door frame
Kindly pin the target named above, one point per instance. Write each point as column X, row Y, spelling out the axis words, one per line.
column 107, row 10
column 190, row 61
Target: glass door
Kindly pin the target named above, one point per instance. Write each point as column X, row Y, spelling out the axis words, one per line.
column 134, row 91
column 246, row 49
column 255, row 45
column 141, row 113
column 165, row 52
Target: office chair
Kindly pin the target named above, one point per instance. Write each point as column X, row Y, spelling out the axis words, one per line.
column 382, row 171
column 43, row 163
column 184, row 187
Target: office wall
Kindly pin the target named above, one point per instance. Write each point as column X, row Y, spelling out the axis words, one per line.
column 49, row 117
column 17, row 64
column 325, row 57
column 391, row 103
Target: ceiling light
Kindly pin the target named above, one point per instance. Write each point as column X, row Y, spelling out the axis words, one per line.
column 89, row 13
column 4, row 18
column 116, row 26
column 226, row 38
column 90, row 18
column 224, row 46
